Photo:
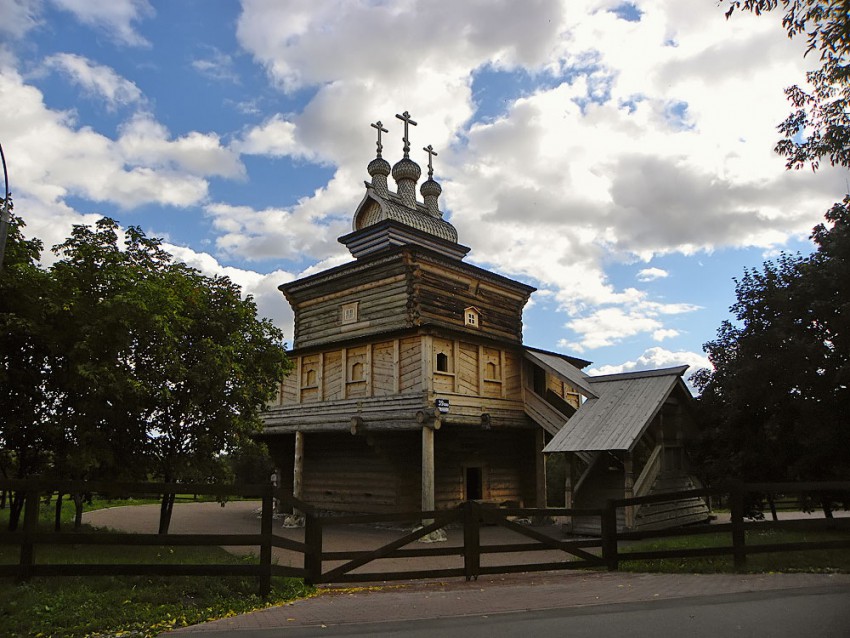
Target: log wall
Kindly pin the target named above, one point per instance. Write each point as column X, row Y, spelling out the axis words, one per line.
column 390, row 367
column 381, row 472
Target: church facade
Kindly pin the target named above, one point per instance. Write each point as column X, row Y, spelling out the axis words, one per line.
column 412, row 388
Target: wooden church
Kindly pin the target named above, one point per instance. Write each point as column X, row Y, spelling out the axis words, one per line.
column 412, row 388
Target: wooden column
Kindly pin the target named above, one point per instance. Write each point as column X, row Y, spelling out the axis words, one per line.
column 427, row 471
column 540, row 467
column 568, row 480
column 298, row 471
column 629, row 487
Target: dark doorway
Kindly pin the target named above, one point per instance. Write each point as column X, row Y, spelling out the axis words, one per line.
column 474, row 484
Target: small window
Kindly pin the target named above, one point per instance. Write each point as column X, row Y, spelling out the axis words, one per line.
column 491, row 371
column 310, row 379
column 442, row 362
column 349, row 312
column 357, row 372
column 471, row 317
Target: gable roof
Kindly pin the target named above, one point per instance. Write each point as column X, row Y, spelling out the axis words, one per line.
column 625, row 406
column 564, row 367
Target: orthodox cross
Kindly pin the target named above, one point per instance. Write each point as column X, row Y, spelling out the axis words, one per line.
column 380, row 127
column 405, row 117
column 431, row 154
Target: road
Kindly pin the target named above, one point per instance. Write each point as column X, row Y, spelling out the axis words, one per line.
column 823, row 612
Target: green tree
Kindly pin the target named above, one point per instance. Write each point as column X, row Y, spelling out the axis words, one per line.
column 775, row 406
column 27, row 399
column 168, row 368
column 818, row 127
column 121, row 364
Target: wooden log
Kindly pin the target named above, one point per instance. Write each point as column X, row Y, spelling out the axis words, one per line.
column 427, row 472
column 298, row 466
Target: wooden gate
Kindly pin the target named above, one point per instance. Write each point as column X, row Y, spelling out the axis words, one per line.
column 469, row 516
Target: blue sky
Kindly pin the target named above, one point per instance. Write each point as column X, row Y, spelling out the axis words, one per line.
column 618, row 156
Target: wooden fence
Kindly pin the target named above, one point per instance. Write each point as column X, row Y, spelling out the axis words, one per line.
column 603, row 552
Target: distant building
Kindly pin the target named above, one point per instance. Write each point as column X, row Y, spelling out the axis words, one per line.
column 412, row 389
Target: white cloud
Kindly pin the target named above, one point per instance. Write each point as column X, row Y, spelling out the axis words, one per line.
column 145, row 141
column 96, row 79
column 55, row 159
column 19, row 17
column 217, row 65
column 661, row 335
column 116, row 18
column 656, row 358
column 275, row 137
column 651, row 274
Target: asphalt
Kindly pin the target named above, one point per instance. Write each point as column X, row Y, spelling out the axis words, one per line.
column 342, row 606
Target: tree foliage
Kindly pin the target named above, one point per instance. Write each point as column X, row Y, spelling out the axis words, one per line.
column 818, row 127
column 120, row 363
column 775, row 406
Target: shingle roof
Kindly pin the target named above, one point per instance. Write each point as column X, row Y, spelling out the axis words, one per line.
column 617, row 418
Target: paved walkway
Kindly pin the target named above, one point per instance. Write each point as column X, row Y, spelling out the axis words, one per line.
column 413, row 600
column 338, row 606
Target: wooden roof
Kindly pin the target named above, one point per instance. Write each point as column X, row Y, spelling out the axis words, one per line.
column 625, row 406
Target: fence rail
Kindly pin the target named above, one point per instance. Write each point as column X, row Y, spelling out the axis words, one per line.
column 604, row 551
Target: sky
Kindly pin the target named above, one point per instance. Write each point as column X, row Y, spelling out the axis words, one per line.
column 617, row 156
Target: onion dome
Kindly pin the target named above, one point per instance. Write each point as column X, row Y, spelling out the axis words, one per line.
column 378, row 169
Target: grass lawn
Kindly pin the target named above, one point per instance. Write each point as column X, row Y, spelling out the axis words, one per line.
column 811, row 561
column 125, row 605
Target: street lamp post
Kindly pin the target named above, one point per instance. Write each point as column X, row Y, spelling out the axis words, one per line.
column 5, row 210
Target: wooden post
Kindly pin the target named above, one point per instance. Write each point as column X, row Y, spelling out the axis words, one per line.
column 313, row 553
column 568, row 487
column 427, row 471
column 540, row 467
column 265, row 579
column 608, row 523
column 27, row 559
column 629, row 487
column 736, row 505
column 568, row 480
column 471, row 539
column 298, row 470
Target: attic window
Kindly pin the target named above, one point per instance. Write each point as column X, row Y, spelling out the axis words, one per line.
column 471, row 317
column 349, row 312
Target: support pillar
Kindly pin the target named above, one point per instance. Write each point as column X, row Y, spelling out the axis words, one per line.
column 568, row 489
column 629, row 487
column 540, row 467
column 427, row 471
column 298, row 465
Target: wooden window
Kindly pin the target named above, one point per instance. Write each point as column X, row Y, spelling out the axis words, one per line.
column 442, row 362
column 491, row 371
column 349, row 312
column 310, row 379
column 471, row 317
column 356, row 372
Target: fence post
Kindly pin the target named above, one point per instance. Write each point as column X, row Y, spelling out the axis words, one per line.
column 736, row 505
column 471, row 539
column 27, row 560
column 313, row 553
column 265, row 579
column 608, row 522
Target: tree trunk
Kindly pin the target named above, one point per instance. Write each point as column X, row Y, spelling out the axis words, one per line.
column 78, row 510
column 826, row 504
column 57, row 517
column 772, row 504
column 16, row 506
column 165, row 510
